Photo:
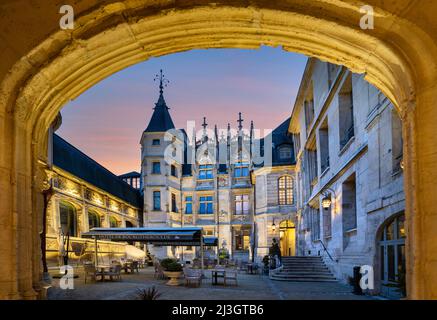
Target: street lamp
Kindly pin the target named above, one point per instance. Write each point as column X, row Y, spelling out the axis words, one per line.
column 273, row 226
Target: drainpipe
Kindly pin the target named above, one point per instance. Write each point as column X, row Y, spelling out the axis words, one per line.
column 217, row 215
column 47, row 194
column 253, row 223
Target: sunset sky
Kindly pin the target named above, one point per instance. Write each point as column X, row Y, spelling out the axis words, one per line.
column 106, row 122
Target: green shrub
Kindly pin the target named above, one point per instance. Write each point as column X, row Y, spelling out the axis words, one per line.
column 173, row 267
column 148, row 294
column 165, row 262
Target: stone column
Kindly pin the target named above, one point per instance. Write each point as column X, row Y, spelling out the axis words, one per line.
column 85, row 227
column 420, row 158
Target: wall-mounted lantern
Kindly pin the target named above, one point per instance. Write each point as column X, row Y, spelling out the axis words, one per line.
column 326, row 202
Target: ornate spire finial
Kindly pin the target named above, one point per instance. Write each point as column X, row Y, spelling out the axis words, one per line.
column 240, row 121
column 163, row 82
column 204, row 124
column 251, row 130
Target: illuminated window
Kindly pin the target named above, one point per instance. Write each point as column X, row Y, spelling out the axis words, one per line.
column 205, row 171
column 208, row 232
column 392, row 250
column 242, row 204
column 206, row 205
column 241, row 169
column 242, row 239
column 113, row 222
column 67, row 214
column 285, row 187
column 93, row 220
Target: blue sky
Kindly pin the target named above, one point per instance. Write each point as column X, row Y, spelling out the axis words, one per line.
column 106, row 121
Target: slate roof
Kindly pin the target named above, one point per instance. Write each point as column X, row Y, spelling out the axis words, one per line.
column 280, row 137
column 69, row 158
column 132, row 174
column 161, row 120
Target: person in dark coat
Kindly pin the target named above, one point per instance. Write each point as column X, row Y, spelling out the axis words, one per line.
column 275, row 251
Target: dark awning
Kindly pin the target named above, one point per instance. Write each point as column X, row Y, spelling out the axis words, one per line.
column 160, row 236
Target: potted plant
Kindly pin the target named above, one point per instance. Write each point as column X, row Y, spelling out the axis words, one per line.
column 223, row 256
column 266, row 262
column 172, row 270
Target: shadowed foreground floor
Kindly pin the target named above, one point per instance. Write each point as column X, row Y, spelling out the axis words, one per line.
column 250, row 287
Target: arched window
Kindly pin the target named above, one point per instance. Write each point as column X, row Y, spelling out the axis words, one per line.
column 392, row 250
column 68, row 219
column 129, row 224
column 285, row 188
column 93, row 219
column 113, row 222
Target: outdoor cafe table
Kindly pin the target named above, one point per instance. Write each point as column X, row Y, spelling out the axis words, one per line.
column 103, row 268
column 217, row 273
column 126, row 266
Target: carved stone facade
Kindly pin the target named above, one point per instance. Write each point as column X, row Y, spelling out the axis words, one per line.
column 399, row 59
column 81, row 200
column 208, row 181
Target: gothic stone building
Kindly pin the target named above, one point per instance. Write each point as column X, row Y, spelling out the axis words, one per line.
column 85, row 195
column 234, row 186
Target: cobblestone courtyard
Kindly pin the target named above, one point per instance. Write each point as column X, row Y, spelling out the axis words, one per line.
column 251, row 287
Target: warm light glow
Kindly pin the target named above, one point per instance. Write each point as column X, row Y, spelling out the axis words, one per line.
column 326, row 203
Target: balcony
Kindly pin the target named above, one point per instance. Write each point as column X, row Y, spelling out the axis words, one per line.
column 205, row 184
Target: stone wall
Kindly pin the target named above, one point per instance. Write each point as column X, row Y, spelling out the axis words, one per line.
column 363, row 179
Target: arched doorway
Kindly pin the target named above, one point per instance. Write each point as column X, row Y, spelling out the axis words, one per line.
column 392, row 255
column 287, row 236
column 399, row 59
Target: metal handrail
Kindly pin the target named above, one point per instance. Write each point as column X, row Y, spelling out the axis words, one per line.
column 326, row 250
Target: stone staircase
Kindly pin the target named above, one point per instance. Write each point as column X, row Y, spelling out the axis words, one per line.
column 303, row 269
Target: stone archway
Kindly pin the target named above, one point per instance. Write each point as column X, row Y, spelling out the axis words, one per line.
column 399, row 57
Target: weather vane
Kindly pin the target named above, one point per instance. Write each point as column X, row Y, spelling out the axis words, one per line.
column 163, row 82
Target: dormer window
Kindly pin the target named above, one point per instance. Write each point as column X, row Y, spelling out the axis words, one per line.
column 156, row 142
column 285, row 152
